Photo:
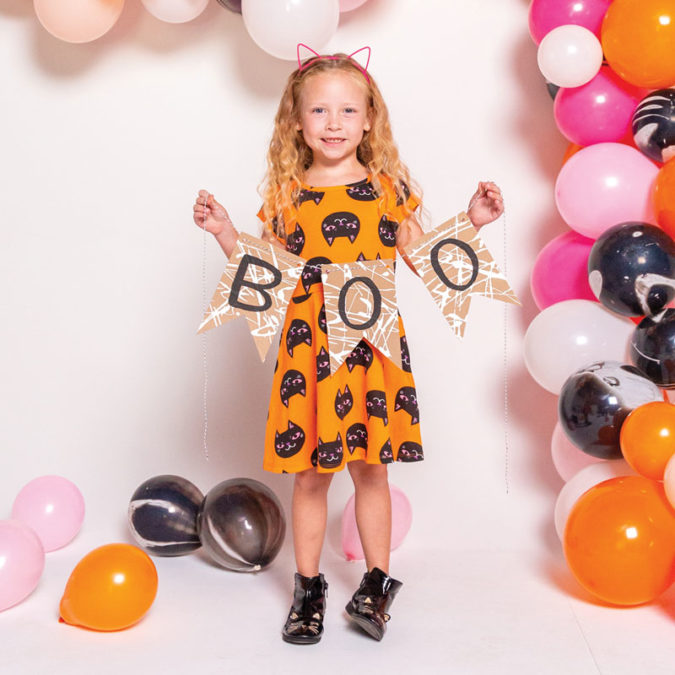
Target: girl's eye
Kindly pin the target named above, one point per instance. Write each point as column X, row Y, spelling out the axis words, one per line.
column 317, row 110
column 350, row 110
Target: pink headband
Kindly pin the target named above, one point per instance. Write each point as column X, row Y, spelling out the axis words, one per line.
column 363, row 69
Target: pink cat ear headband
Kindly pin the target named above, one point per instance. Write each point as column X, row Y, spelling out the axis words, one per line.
column 363, row 69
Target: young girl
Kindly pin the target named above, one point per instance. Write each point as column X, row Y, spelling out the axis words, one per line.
column 336, row 191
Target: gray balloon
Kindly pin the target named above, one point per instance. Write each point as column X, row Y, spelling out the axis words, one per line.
column 241, row 525
column 232, row 5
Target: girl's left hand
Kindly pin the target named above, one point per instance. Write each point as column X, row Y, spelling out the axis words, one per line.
column 486, row 204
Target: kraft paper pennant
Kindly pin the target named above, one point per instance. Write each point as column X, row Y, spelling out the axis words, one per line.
column 455, row 265
column 360, row 300
column 257, row 283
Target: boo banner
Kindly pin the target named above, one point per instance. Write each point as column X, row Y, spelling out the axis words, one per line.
column 455, row 265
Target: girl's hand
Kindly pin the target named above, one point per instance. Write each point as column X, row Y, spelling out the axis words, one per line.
column 486, row 204
column 210, row 215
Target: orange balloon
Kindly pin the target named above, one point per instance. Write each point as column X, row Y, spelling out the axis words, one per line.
column 572, row 149
column 638, row 39
column 664, row 197
column 648, row 438
column 111, row 588
column 619, row 540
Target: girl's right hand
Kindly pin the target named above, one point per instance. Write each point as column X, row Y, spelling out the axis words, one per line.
column 208, row 214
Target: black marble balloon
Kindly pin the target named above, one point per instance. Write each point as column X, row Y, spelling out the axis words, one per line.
column 232, row 5
column 553, row 89
column 163, row 515
column 595, row 401
column 652, row 348
column 242, row 525
column 654, row 125
column 631, row 269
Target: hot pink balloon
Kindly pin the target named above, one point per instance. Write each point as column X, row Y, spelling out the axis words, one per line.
column 23, row 560
column 599, row 111
column 545, row 15
column 401, row 518
column 561, row 270
column 604, row 185
column 567, row 458
column 349, row 5
column 78, row 20
column 52, row 507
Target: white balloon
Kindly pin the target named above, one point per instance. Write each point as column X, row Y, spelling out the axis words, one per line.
column 568, row 336
column 669, row 481
column 175, row 11
column 277, row 26
column 569, row 56
column 583, row 481
column 567, row 458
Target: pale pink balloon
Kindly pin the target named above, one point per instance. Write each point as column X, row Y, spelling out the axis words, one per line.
column 669, row 481
column 349, row 5
column 175, row 11
column 545, row 15
column 599, row 111
column 569, row 56
column 52, row 507
column 567, row 458
column 78, row 20
column 22, row 560
column 560, row 271
column 603, row 185
column 401, row 518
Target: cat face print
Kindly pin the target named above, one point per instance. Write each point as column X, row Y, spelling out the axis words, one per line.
column 405, row 354
column 386, row 455
column 311, row 274
column 343, row 402
column 299, row 333
column 322, row 319
column 376, row 405
column 292, row 383
column 340, row 224
column 295, row 241
column 409, row 451
column 310, row 196
column 361, row 355
column 289, row 442
column 406, row 399
column 362, row 192
column 357, row 437
column 387, row 231
column 330, row 454
column 322, row 365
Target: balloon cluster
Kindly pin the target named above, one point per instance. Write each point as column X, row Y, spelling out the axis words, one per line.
column 240, row 523
column 614, row 444
column 275, row 26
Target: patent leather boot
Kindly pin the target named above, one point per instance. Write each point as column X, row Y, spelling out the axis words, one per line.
column 370, row 604
column 304, row 625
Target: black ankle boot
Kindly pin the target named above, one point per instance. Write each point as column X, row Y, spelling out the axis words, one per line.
column 370, row 604
column 304, row 625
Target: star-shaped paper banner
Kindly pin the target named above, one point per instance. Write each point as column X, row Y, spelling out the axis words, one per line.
column 455, row 265
column 257, row 283
column 360, row 301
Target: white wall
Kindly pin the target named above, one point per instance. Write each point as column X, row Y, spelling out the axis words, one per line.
column 104, row 147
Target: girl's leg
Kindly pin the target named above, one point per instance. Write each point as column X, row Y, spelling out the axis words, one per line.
column 373, row 511
column 309, row 519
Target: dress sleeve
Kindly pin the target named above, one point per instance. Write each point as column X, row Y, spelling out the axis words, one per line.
column 400, row 206
column 268, row 227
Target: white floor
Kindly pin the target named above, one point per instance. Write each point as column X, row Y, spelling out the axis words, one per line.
column 461, row 612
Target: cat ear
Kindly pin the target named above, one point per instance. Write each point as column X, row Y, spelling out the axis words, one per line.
column 305, row 56
column 339, row 438
column 320, row 442
column 347, row 389
column 365, row 56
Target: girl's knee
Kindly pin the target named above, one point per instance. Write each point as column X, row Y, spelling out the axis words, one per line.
column 312, row 480
column 363, row 473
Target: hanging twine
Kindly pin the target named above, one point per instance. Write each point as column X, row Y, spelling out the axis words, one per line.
column 204, row 364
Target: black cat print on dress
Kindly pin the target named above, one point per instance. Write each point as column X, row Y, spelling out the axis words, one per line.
column 405, row 355
column 343, row 402
column 322, row 319
column 406, row 399
column 310, row 196
column 362, row 192
column 361, row 355
column 386, row 455
column 330, row 453
column 357, row 437
column 322, row 365
column 298, row 333
column 409, row 451
column 340, row 224
column 295, row 241
column 289, row 442
column 293, row 382
column 310, row 275
column 376, row 405
column 387, row 231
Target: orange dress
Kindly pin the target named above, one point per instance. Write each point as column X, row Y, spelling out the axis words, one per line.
column 368, row 408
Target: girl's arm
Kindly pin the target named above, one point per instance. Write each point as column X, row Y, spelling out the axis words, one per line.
column 211, row 216
column 408, row 231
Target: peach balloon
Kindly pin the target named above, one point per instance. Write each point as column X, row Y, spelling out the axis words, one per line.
column 664, row 197
column 175, row 11
column 78, row 20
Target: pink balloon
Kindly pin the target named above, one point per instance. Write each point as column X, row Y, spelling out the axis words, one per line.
column 78, row 20
column 545, row 15
column 401, row 518
column 567, row 458
column 52, row 507
column 23, row 560
column 349, row 5
column 599, row 111
column 561, row 270
column 603, row 185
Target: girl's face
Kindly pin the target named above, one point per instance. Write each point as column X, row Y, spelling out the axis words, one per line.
column 333, row 116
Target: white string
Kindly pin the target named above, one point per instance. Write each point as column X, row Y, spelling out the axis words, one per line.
column 506, row 369
column 204, row 364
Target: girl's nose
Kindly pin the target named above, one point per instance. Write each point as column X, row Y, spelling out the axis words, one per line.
column 334, row 121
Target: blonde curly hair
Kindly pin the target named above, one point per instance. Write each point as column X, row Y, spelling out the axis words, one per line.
column 289, row 156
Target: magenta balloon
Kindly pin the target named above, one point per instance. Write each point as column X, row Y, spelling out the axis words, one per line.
column 599, row 111
column 603, row 185
column 545, row 15
column 561, row 270
column 401, row 519
column 53, row 507
column 23, row 560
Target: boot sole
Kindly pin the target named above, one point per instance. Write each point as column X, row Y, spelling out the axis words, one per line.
column 300, row 641
column 363, row 623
